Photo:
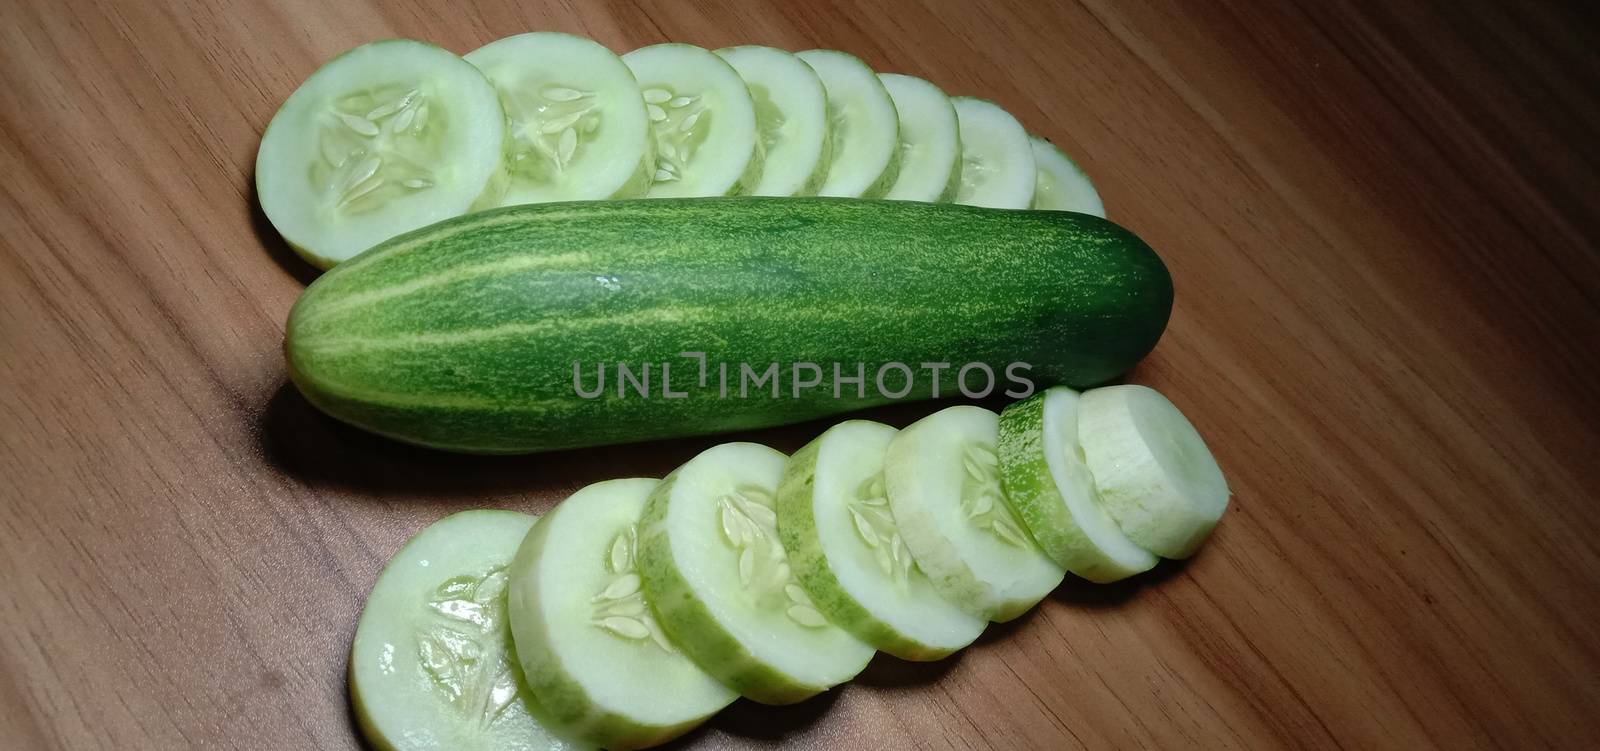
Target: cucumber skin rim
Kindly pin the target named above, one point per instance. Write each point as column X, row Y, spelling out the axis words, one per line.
column 798, row 529
column 689, row 624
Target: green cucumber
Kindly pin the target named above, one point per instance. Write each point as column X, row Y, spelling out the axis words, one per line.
column 1154, row 473
column 464, row 336
column 585, row 635
column 1049, row 486
column 864, row 126
column 846, row 550
column 792, row 116
column 702, row 120
column 386, row 138
column 997, row 168
column 930, row 141
column 432, row 665
column 719, row 580
column 944, row 487
column 1061, row 185
column 575, row 128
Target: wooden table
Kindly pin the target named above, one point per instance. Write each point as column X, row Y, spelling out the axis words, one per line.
column 1382, row 225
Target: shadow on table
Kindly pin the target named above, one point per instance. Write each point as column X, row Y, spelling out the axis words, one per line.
column 290, row 261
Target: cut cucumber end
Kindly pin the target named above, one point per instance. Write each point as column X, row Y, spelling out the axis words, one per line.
column 575, row 127
column 1154, row 473
column 719, row 579
column 863, row 125
column 997, row 169
column 848, row 553
column 930, row 141
column 585, row 634
column 791, row 117
column 1061, row 185
column 1050, row 488
column 944, row 488
column 702, row 121
column 432, row 665
column 386, row 138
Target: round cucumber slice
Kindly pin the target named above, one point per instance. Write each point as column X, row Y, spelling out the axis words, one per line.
column 846, row 550
column 1061, row 186
column 702, row 121
column 930, row 141
column 1050, row 488
column 791, row 118
column 719, row 580
column 1156, row 476
column 997, row 169
column 585, row 635
column 386, row 138
column 575, row 128
column 944, row 488
column 863, row 123
column 432, row 664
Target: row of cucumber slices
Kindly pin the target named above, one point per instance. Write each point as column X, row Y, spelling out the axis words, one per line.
column 637, row 608
column 399, row 134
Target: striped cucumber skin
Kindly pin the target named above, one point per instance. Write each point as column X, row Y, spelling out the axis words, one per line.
column 463, row 335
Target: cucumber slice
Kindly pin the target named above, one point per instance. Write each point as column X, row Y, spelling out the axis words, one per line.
column 702, row 121
column 1156, row 476
column 719, row 580
column 386, row 138
column 1061, row 186
column 1050, row 488
column 944, row 489
column 432, row 664
column 930, row 141
column 791, row 118
column 847, row 552
column 863, row 124
column 575, row 128
column 586, row 637
column 997, row 167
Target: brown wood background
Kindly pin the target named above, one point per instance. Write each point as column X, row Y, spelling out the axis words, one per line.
column 1381, row 218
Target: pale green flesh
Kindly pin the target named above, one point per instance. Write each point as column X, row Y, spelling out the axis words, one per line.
column 1155, row 475
column 386, row 138
column 944, row 489
column 791, row 117
column 864, row 126
column 1060, row 185
column 930, row 141
column 576, row 129
column 1050, row 488
column 585, row 634
column 719, row 580
column 997, row 169
column 846, row 550
column 432, row 665
column 702, row 121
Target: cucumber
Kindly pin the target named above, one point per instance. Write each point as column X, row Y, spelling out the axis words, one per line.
column 575, row 128
column 847, row 552
column 930, row 141
column 791, row 118
column 386, row 138
column 595, row 659
column 719, row 580
column 432, row 664
column 997, row 167
column 1155, row 475
column 944, row 488
column 464, row 336
column 1050, row 488
column 863, row 125
column 1061, row 186
column 702, row 121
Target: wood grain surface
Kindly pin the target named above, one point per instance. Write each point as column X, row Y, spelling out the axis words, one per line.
column 1381, row 219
